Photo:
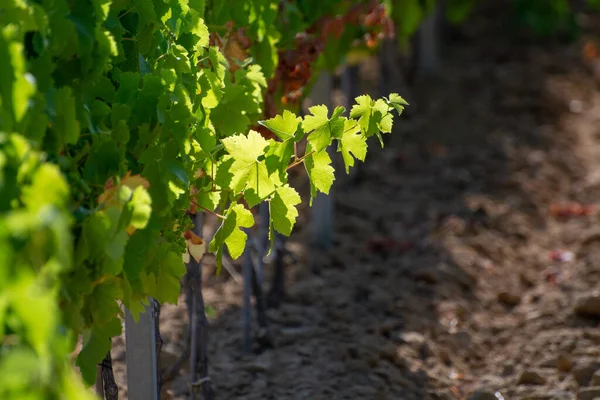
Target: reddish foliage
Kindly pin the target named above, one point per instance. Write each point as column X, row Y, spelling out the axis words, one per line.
column 294, row 67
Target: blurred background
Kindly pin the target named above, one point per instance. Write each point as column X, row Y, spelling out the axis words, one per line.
column 464, row 255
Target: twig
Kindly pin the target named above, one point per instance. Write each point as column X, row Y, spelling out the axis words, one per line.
column 300, row 160
column 207, row 210
column 127, row 12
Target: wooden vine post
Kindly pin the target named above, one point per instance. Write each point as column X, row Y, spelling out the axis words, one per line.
column 429, row 41
column 141, row 355
column 322, row 211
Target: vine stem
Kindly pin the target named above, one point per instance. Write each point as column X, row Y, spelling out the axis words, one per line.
column 300, row 160
column 207, row 210
column 127, row 12
column 198, row 328
column 109, row 386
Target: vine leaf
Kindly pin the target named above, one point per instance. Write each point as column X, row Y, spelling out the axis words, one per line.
column 131, row 197
column 320, row 172
column 285, row 126
column 140, row 207
column 323, row 128
column 96, row 343
column 163, row 281
column 363, row 111
column 244, row 168
column 352, row 144
column 396, row 101
column 229, row 233
column 18, row 86
column 110, row 195
column 66, row 118
column 374, row 117
column 283, row 209
column 46, row 182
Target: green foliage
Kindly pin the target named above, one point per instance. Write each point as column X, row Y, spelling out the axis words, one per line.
column 543, row 18
column 408, row 14
column 551, row 18
column 36, row 251
column 253, row 168
column 546, row 17
column 116, row 117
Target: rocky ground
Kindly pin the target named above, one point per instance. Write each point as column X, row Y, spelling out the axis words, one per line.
column 453, row 275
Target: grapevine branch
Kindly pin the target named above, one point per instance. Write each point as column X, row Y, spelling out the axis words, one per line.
column 111, row 390
column 300, row 160
column 207, row 210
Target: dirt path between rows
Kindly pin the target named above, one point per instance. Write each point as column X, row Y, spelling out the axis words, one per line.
column 442, row 283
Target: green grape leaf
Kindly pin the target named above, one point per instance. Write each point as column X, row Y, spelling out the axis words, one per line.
column 382, row 118
column 200, row 29
column 320, row 172
column 206, row 139
column 141, row 207
column 168, row 281
column 283, row 209
column 95, row 232
column 284, row 126
column 128, row 88
column 373, row 116
column 396, row 101
column 245, row 95
column 65, row 121
column 352, row 144
column 229, row 233
column 137, row 255
column 287, row 128
column 96, row 344
column 363, row 109
column 115, row 251
column 47, row 187
column 132, row 298
column 16, row 85
column 244, row 168
column 322, row 128
column 36, row 312
column 277, row 158
column 102, row 303
column 145, row 10
column 233, row 100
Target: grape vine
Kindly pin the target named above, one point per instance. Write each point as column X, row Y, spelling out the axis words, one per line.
column 118, row 119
